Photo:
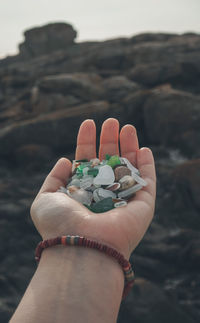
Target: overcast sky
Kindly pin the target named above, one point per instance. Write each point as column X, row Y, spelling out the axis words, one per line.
column 97, row 19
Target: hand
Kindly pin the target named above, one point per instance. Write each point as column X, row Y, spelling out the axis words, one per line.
column 55, row 214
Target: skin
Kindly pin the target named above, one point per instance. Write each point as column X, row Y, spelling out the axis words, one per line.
column 73, row 283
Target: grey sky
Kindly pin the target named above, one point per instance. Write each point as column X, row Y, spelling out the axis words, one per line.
column 97, row 20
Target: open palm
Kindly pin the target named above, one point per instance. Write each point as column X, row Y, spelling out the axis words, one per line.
column 55, row 214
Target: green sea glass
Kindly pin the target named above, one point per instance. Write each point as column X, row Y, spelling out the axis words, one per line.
column 108, row 156
column 114, row 161
column 102, row 206
column 93, row 172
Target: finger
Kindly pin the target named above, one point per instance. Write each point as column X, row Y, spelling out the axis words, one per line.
column 57, row 177
column 86, row 141
column 140, row 209
column 129, row 143
column 109, row 138
column 146, row 166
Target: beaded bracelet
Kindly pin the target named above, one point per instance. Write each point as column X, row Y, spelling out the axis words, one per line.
column 84, row 242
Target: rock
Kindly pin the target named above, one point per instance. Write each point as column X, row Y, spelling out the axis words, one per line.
column 176, row 116
column 151, row 302
column 84, row 86
column 121, row 171
column 35, row 153
column 182, row 202
column 156, row 73
column 49, row 129
column 187, row 178
column 46, row 39
column 126, row 182
column 118, row 87
column 152, row 37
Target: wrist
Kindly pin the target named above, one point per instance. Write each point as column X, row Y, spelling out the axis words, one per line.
column 85, row 242
column 87, row 259
column 85, row 274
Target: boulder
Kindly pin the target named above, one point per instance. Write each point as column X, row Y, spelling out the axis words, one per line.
column 56, row 130
column 172, row 119
column 148, row 303
column 118, row 87
column 46, row 39
column 187, row 179
column 81, row 85
column 157, row 73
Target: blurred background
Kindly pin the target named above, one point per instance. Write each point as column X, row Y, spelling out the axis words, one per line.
column 139, row 61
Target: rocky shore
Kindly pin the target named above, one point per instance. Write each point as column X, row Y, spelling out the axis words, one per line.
column 149, row 80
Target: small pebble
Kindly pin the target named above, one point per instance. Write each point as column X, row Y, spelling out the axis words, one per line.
column 126, row 182
column 121, row 171
column 129, row 165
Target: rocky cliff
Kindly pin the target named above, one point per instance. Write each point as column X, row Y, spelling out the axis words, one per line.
column 149, row 80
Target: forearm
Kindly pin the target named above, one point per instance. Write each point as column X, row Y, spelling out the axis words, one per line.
column 72, row 284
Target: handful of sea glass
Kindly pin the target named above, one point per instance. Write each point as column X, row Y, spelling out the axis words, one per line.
column 103, row 185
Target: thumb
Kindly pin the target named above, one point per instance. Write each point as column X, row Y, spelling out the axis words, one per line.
column 57, row 177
